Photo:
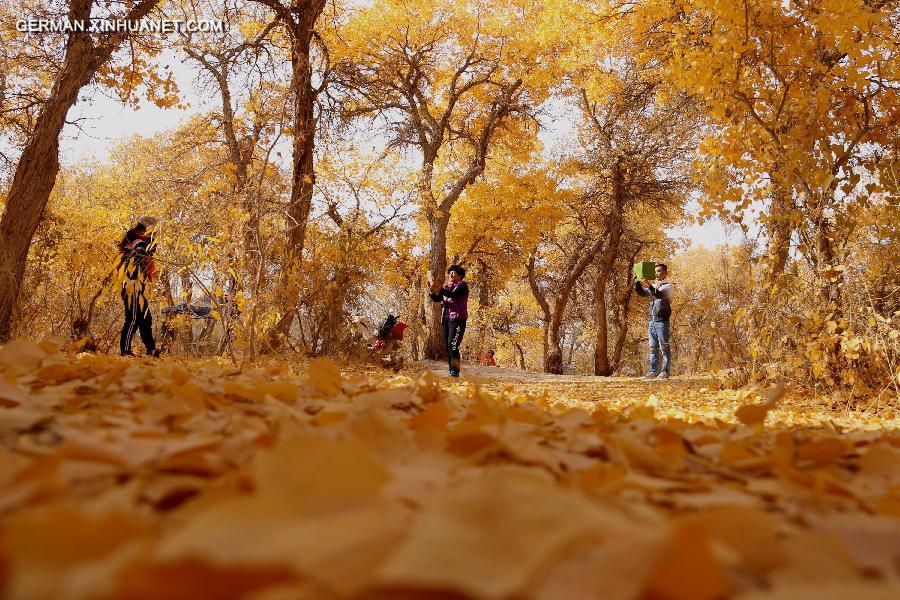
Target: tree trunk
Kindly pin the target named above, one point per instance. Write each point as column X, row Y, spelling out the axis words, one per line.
column 334, row 330
column 779, row 225
column 437, row 267
column 187, row 294
column 241, row 152
column 414, row 305
column 553, row 358
column 826, row 258
column 300, row 22
column 601, row 342
column 521, row 354
column 36, row 173
column 303, row 175
column 622, row 311
column 546, row 342
column 38, row 166
column 573, row 344
column 240, row 158
column 302, row 179
column 545, row 309
column 438, row 214
column 553, row 318
column 607, row 264
column 484, row 341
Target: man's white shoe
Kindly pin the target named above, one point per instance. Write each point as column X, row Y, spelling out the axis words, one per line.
column 663, row 375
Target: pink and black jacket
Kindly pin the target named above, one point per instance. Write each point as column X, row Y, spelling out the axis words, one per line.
column 454, row 297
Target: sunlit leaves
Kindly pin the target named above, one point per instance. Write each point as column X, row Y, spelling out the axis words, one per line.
column 146, row 478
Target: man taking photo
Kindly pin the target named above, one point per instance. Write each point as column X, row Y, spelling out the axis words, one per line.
column 660, row 311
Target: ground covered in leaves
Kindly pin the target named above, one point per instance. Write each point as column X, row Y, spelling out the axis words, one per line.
column 153, row 479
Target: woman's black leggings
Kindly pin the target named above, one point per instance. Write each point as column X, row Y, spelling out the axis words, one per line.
column 453, row 335
column 137, row 318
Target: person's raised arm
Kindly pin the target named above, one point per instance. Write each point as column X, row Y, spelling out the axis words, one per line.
column 434, row 291
column 461, row 290
column 639, row 288
column 663, row 291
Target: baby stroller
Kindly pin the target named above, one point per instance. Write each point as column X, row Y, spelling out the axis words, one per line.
column 384, row 346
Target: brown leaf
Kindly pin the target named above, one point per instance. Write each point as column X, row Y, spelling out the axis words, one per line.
column 613, row 570
column 753, row 414
column 325, row 376
column 44, row 543
column 193, row 578
column 11, row 395
column 749, row 531
column 314, row 474
column 880, row 462
column 21, row 356
column 488, row 536
column 823, row 450
column 687, row 569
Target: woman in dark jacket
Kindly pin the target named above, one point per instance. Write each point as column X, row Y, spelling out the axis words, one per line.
column 136, row 270
column 453, row 296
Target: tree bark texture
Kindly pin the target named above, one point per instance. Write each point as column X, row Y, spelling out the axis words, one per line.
column 602, row 365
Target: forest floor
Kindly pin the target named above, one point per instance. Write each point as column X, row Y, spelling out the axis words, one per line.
column 297, row 479
column 706, row 396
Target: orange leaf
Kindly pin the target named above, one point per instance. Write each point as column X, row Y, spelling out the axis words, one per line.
column 823, row 450
column 687, row 569
column 752, row 414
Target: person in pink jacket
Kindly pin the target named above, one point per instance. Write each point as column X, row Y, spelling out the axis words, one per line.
column 454, row 297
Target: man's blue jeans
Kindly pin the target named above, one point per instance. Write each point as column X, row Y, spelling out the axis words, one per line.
column 659, row 340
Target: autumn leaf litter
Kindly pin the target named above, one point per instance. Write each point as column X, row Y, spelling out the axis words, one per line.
column 152, row 479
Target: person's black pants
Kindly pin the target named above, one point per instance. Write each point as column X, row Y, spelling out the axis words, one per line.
column 137, row 318
column 453, row 335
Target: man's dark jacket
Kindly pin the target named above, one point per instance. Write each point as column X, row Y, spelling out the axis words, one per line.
column 660, row 306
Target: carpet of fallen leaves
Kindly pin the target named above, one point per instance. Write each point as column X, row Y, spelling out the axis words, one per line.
column 139, row 479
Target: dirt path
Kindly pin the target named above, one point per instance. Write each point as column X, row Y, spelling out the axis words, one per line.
column 582, row 391
column 690, row 397
column 504, row 374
